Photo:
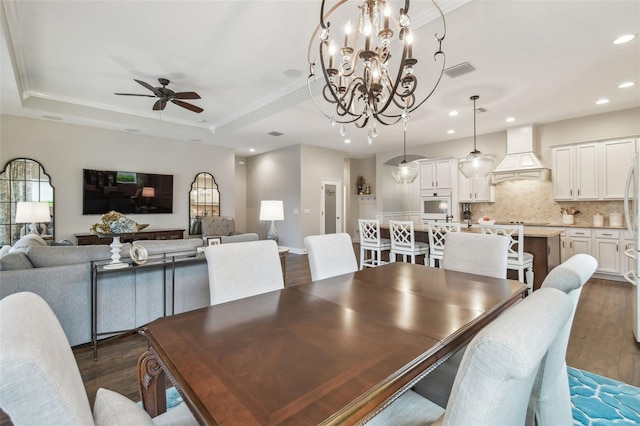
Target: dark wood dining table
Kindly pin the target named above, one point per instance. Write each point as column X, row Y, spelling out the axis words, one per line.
column 333, row 351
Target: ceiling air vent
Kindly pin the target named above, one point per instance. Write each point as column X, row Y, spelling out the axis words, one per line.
column 274, row 133
column 460, row 69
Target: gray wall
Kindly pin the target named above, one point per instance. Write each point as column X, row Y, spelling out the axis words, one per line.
column 64, row 150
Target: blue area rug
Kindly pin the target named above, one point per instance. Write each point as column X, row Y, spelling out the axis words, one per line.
column 598, row 400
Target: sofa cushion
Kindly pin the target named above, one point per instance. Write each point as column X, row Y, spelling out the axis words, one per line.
column 113, row 409
column 4, row 250
column 43, row 257
column 170, row 246
column 29, row 240
column 239, row 238
column 14, row 261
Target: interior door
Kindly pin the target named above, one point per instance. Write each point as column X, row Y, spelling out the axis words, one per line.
column 331, row 202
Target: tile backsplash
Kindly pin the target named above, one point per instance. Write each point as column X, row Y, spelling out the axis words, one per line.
column 532, row 201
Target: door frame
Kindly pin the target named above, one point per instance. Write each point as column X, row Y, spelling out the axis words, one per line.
column 339, row 218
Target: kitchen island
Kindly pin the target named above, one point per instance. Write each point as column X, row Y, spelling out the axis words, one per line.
column 543, row 243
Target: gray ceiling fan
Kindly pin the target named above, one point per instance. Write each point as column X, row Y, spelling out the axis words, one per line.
column 165, row 95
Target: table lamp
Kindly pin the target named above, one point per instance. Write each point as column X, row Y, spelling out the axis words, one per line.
column 32, row 212
column 272, row 210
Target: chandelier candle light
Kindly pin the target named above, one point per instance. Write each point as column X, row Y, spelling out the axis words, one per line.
column 272, row 210
column 368, row 68
column 476, row 164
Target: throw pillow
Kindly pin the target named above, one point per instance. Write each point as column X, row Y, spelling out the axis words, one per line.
column 111, row 408
column 14, row 261
column 29, row 240
column 4, row 250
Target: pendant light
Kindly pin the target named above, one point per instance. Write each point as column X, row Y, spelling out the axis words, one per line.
column 405, row 172
column 476, row 164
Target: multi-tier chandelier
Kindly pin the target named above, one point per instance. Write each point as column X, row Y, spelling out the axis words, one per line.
column 368, row 68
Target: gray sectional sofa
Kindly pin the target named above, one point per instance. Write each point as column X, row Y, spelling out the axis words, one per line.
column 127, row 298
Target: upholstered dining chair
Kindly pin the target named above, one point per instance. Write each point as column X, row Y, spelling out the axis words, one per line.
column 479, row 254
column 330, row 255
column 437, row 231
column 518, row 259
column 403, row 242
column 371, row 243
column 242, row 270
column 41, row 383
column 498, row 369
column 550, row 401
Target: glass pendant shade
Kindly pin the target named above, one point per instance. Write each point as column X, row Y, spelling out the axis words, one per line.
column 405, row 172
column 476, row 164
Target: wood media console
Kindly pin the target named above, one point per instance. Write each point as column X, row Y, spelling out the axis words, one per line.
column 88, row 238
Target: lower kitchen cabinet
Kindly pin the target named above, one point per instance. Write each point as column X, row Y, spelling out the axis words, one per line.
column 606, row 245
column 577, row 240
column 607, row 251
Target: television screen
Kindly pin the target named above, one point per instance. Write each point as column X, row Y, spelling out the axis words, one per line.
column 126, row 192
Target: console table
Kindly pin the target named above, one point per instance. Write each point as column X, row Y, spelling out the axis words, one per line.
column 88, row 238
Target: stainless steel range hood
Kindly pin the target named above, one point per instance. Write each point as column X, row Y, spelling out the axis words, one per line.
column 521, row 161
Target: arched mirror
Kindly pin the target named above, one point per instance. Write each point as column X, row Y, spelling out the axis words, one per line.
column 204, row 201
column 24, row 179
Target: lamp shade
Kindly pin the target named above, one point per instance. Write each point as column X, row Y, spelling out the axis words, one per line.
column 32, row 212
column 271, row 210
column 148, row 191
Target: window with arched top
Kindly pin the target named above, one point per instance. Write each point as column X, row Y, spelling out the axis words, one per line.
column 204, row 201
column 24, row 179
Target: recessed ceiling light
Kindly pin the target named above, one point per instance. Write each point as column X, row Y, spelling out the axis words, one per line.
column 602, row 101
column 626, row 84
column 51, row 117
column 252, row 150
column 201, row 120
column 195, row 140
column 453, row 113
column 624, row 39
column 509, row 119
column 347, row 141
column 451, row 131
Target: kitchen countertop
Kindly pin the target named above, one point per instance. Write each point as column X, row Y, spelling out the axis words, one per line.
column 529, row 231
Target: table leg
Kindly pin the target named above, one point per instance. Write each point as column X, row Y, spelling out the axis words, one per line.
column 151, row 384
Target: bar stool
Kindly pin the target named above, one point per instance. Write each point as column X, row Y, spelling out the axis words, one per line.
column 370, row 241
column 517, row 258
column 437, row 231
column 403, row 242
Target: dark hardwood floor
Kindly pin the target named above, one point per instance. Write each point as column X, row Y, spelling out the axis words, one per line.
column 601, row 339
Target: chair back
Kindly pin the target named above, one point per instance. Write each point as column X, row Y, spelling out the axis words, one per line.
column 402, row 235
column 242, row 270
column 514, row 233
column 480, row 254
column 369, row 232
column 497, row 371
column 40, row 383
column 550, row 401
column 437, row 231
column 330, row 255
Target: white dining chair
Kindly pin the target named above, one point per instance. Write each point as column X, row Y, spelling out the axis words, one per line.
column 403, row 242
column 330, row 255
column 371, row 243
column 497, row 371
column 437, row 231
column 518, row 259
column 550, row 401
column 479, row 254
column 243, row 270
column 41, row 383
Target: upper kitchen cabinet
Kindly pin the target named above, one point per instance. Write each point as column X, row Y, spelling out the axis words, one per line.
column 437, row 174
column 575, row 172
column 592, row 171
column 475, row 190
column 617, row 159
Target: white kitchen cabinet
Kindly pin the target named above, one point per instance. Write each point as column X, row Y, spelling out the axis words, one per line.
column 475, row 190
column 607, row 251
column 627, row 243
column 617, row 158
column 436, row 174
column 577, row 240
column 575, row 172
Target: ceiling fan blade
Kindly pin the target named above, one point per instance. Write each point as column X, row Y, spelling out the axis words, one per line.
column 134, row 94
column 187, row 95
column 159, row 105
column 148, row 86
column 187, row 106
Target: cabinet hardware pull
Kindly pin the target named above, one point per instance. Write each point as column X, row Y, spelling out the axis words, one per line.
column 608, row 234
column 616, row 247
column 578, row 192
column 571, row 192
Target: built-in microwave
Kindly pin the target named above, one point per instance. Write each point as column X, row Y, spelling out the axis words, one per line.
column 435, row 206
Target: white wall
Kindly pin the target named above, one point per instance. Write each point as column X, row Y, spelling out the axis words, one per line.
column 64, row 150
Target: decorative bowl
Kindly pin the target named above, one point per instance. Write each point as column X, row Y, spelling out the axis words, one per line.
column 486, row 222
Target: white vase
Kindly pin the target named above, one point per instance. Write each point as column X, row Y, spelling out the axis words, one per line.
column 567, row 219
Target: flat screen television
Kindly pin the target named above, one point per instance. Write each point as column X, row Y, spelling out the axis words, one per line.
column 126, row 192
